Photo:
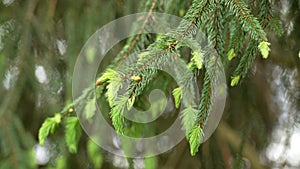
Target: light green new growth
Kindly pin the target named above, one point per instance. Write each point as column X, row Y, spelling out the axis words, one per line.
column 113, row 87
column 73, row 133
column 197, row 60
column 143, row 54
column 48, row 127
column 235, row 80
column 177, row 93
column 117, row 119
column 195, row 137
column 116, row 114
column 130, row 103
column 231, row 54
column 188, row 117
column 109, row 74
column 264, row 49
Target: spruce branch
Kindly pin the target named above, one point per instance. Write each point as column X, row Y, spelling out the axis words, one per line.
column 193, row 15
column 266, row 15
column 237, row 40
column 205, row 101
column 249, row 23
column 133, row 42
column 245, row 63
column 216, row 25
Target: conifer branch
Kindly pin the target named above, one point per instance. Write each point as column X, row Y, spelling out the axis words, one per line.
column 251, row 21
column 216, row 25
column 196, row 6
column 266, row 15
column 143, row 66
column 237, row 39
column 205, row 102
column 245, row 62
column 243, row 25
column 248, row 22
column 137, row 36
column 195, row 131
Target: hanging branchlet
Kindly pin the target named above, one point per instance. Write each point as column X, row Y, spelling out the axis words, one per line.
column 214, row 26
column 266, row 14
column 195, row 137
column 164, row 44
column 245, row 63
column 237, row 40
column 194, row 130
column 139, row 40
column 205, row 101
column 249, row 23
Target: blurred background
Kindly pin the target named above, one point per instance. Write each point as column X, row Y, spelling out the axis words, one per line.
column 39, row 44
